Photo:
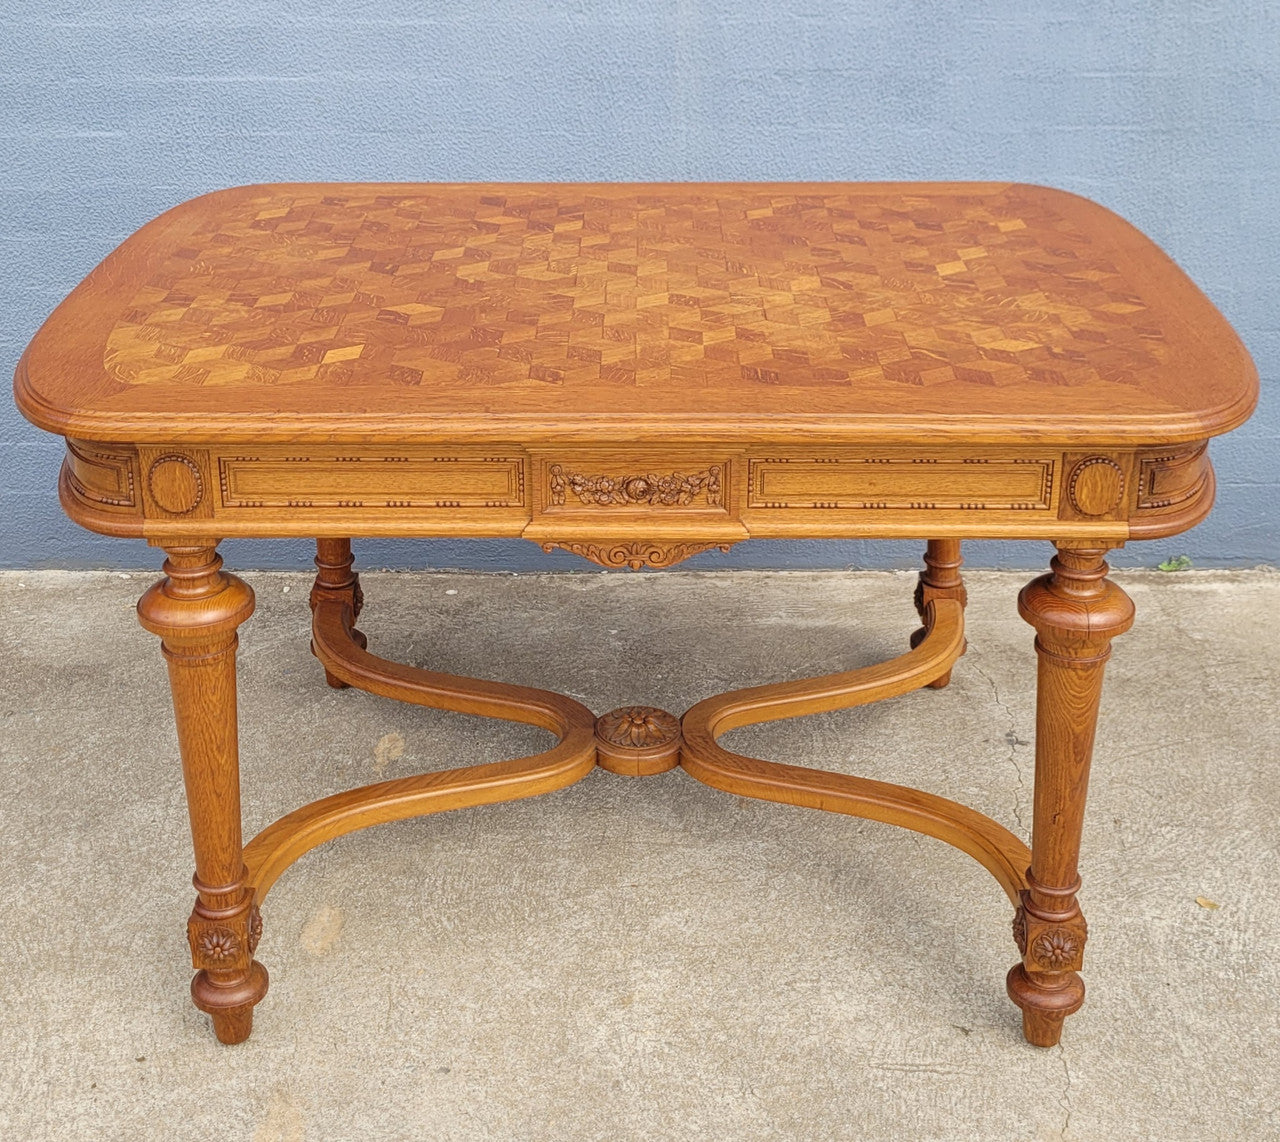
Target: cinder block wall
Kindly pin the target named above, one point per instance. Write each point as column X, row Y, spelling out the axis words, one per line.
column 113, row 110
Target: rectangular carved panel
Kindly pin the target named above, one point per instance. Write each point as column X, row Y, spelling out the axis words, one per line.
column 101, row 474
column 655, row 486
column 1172, row 477
column 372, row 481
column 661, row 483
column 1174, row 489
column 900, row 483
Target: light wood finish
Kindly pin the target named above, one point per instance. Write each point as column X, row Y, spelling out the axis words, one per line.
column 345, row 658
column 637, row 373
column 336, row 581
column 637, row 741
column 939, row 580
column 992, row 845
column 895, row 309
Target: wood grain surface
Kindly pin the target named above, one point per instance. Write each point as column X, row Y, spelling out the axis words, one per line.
column 637, row 373
column 340, row 312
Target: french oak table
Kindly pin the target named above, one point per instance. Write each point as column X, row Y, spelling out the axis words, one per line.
column 637, row 373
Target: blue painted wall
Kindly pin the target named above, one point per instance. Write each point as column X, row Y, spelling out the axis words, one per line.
column 113, row 110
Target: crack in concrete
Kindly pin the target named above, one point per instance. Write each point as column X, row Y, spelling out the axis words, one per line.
column 1064, row 1100
column 920, row 1069
column 1011, row 737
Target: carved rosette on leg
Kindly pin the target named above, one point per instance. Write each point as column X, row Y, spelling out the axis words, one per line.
column 1076, row 611
column 196, row 610
column 939, row 580
column 336, row 579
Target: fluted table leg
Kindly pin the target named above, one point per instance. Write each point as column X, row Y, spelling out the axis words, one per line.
column 195, row 610
column 1076, row 611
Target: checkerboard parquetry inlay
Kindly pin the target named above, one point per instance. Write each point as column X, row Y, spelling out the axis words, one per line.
column 456, row 287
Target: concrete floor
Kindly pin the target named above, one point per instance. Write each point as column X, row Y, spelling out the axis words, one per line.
column 640, row 959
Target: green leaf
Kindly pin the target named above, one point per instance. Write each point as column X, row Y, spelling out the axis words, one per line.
column 1175, row 563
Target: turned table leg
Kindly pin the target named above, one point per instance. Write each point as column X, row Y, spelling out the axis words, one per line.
column 335, row 579
column 940, row 579
column 195, row 610
column 1076, row 611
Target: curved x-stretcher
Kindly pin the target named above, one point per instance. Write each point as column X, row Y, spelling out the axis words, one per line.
column 634, row 734
column 337, row 646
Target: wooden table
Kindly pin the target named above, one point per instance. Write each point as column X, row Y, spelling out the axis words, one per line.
column 636, row 374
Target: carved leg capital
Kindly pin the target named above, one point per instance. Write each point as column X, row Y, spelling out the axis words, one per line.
column 1075, row 609
column 196, row 607
column 196, row 610
column 1076, row 612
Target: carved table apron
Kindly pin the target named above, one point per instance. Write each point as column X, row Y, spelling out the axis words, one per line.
column 637, row 374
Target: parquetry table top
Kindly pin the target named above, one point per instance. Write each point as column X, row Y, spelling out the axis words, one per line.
column 885, row 312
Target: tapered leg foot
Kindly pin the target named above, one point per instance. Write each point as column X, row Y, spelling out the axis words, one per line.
column 1046, row 1001
column 336, row 579
column 939, row 580
column 233, row 1025
column 230, row 1005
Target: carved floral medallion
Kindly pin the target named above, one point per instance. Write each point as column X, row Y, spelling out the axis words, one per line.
column 638, row 727
column 1048, row 945
column 218, row 944
column 1056, row 948
column 1020, row 930
column 677, row 489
